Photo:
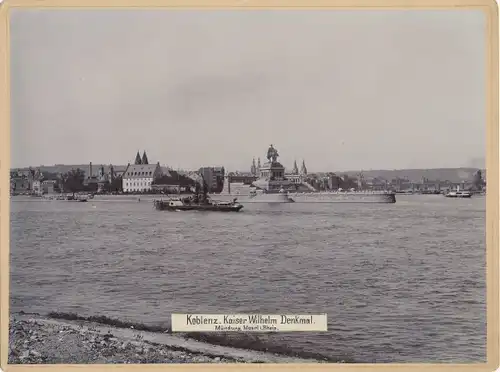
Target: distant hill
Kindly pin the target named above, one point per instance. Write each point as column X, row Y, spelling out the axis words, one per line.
column 443, row 174
column 64, row 168
column 477, row 163
column 416, row 175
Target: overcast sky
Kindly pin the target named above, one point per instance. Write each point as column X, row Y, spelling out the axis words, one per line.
column 340, row 89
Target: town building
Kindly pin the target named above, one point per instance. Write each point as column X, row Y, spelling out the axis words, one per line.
column 214, row 178
column 295, row 176
column 50, row 187
column 245, row 178
column 116, row 171
column 37, row 187
column 103, row 180
column 45, row 183
column 38, row 179
column 172, row 181
column 91, row 181
column 21, row 181
column 139, row 177
column 333, row 181
column 99, row 178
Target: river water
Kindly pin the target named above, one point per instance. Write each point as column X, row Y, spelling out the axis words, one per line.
column 400, row 282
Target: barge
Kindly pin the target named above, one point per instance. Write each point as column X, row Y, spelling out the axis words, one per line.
column 199, row 201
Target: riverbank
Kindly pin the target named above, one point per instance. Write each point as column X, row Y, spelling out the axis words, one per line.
column 37, row 339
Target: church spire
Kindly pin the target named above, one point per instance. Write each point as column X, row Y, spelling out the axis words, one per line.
column 295, row 169
column 303, row 169
column 138, row 158
column 144, row 158
column 111, row 172
column 253, row 168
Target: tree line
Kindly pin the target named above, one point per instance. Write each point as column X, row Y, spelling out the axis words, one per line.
column 73, row 181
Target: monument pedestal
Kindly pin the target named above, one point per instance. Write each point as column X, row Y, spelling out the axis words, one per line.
column 272, row 178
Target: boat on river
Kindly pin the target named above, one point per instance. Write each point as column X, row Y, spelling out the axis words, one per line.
column 67, row 197
column 199, row 201
column 458, row 194
column 187, row 204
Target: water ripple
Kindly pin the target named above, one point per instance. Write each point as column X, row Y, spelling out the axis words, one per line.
column 400, row 283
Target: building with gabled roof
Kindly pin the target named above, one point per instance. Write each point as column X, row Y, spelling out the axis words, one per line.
column 140, row 177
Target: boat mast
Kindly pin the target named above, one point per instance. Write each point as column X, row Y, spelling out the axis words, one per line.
column 205, row 188
column 196, row 191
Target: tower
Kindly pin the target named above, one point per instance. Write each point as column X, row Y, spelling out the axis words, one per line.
column 111, row 173
column 138, row 159
column 303, row 169
column 253, row 168
column 144, row 158
column 361, row 180
column 101, row 173
column 295, row 169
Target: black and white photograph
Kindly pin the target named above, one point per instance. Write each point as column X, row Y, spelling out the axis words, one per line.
column 248, row 161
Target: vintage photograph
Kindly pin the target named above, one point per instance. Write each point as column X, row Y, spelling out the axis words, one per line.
column 247, row 162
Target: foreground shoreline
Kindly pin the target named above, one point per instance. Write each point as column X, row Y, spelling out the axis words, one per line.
column 38, row 339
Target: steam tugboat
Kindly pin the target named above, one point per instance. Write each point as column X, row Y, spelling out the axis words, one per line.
column 199, row 201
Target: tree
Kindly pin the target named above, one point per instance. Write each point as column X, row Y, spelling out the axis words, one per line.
column 478, row 180
column 49, row 176
column 205, row 188
column 72, row 181
column 90, row 187
column 116, row 185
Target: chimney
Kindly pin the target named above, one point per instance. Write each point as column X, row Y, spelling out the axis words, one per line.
column 90, row 170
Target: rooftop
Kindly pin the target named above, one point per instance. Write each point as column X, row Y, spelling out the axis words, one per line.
column 141, row 170
column 275, row 164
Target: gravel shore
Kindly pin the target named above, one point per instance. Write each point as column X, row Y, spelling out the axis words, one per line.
column 36, row 342
column 40, row 340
